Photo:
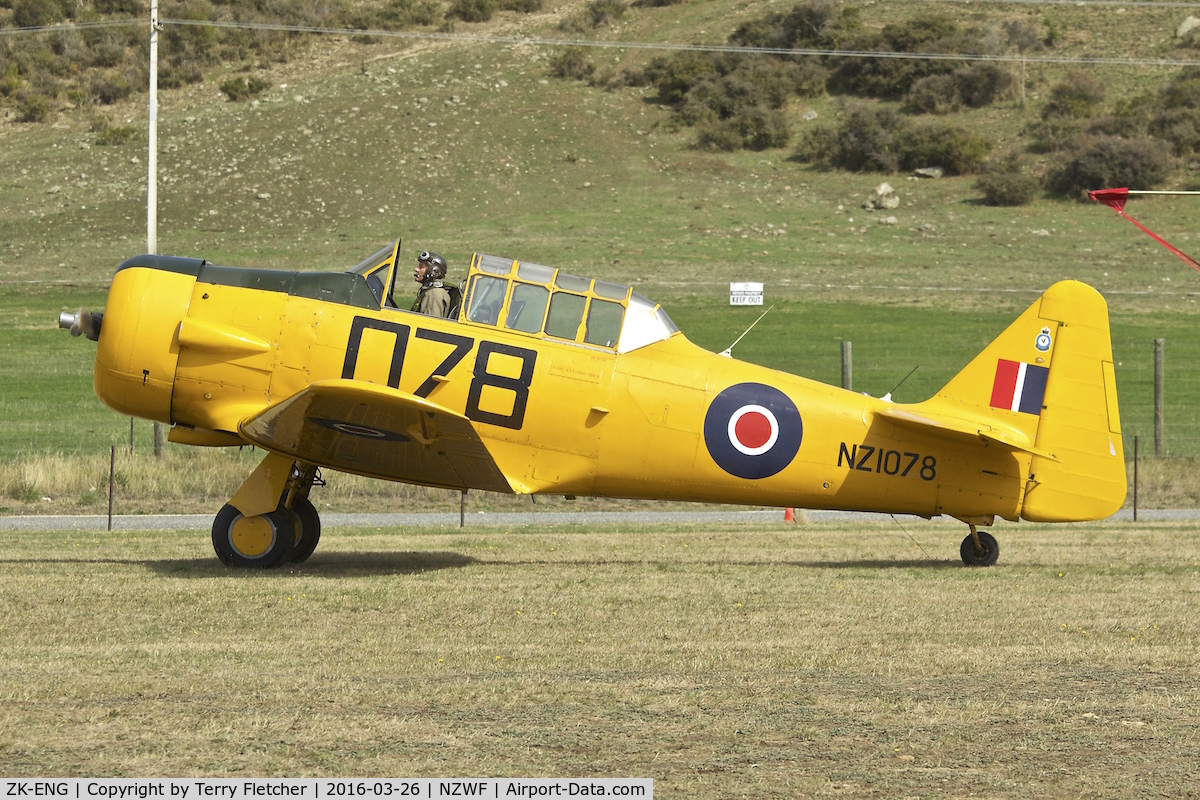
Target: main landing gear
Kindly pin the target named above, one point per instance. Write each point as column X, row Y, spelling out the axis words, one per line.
column 979, row 549
column 269, row 521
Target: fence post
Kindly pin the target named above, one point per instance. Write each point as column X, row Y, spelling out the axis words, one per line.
column 112, row 465
column 847, row 381
column 1160, row 442
column 1135, row 476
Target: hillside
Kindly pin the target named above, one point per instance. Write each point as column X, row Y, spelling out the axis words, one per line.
column 465, row 144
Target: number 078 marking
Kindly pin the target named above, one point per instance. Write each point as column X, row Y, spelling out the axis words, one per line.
column 461, row 346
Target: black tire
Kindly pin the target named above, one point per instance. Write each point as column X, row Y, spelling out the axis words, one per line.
column 980, row 558
column 308, row 529
column 259, row 542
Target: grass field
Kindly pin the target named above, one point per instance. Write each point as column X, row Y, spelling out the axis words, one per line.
column 821, row 660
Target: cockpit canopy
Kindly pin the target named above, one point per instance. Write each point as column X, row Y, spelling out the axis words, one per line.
column 542, row 301
column 538, row 301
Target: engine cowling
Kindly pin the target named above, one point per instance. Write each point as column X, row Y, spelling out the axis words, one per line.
column 139, row 344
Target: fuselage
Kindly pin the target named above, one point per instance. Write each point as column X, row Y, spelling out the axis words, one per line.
column 203, row 347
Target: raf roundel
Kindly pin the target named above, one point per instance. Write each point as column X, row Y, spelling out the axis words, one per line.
column 752, row 430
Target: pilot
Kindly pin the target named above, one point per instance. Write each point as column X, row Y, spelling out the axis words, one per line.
column 432, row 297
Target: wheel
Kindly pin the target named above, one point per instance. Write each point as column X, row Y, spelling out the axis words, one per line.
column 308, row 529
column 984, row 557
column 261, row 542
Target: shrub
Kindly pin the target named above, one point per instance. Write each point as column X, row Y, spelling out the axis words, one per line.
column 113, row 135
column 1076, row 97
column 10, row 84
column 606, row 12
column 980, row 84
column 131, row 7
column 1180, row 127
column 109, row 89
column 893, row 77
column 816, row 23
column 35, row 13
column 1053, row 135
column 938, row 144
column 866, row 140
column 1007, row 183
column 521, row 6
column 399, row 14
column 1112, row 161
column 571, row 63
column 935, row 94
column 754, row 128
column 817, row 143
column 674, row 75
column 32, row 108
column 472, row 10
column 238, row 88
column 656, row 3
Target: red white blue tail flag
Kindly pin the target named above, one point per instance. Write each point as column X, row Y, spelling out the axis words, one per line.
column 1019, row 386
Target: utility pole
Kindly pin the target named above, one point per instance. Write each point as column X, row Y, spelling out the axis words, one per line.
column 152, row 169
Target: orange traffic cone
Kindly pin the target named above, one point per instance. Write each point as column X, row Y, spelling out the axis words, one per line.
column 789, row 515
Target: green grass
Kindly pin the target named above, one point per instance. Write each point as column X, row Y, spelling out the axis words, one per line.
column 821, row 660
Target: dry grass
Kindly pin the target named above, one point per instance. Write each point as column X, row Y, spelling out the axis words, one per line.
column 821, row 660
column 199, row 481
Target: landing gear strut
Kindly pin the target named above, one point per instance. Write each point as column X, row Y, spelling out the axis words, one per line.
column 979, row 549
column 270, row 520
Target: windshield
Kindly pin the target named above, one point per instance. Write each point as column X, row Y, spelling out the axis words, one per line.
column 367, row 264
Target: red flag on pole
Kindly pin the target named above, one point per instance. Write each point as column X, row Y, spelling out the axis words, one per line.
column 1115, row 199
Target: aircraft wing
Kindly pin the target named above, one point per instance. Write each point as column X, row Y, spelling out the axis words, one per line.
column 372, row 430
column 936, row 423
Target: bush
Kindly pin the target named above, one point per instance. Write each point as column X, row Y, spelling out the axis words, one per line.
column 571, row 63
column 1180, row 127
column 35, row 13
column 32, row 108
column 10, row 84
column 935, row 94
column 674, row 75
column 755, row 128
column 131, row 7
column 894, row 77
column 812, row 24
column 521, row 6
column 980, row 84
column 113, row 135
column 109, row 89
column 656, row 3
column 1110, row 161
column 866, row 140
column 238, row 88
column 1007, row 183
column 938, row 144
column 605, row 12
column 817, row 144
column 1053, row 135
column 1076, row 97
column 472, row 10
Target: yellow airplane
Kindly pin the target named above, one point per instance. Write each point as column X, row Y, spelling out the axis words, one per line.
column 543, row 382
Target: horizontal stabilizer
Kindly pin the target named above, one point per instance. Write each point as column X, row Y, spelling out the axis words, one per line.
column 931, row 422
column 367, row 429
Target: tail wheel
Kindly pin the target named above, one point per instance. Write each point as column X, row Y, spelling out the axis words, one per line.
column 982, row 555
column 259, row 542
column 308, row 529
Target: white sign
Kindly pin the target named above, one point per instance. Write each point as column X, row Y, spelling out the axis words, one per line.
column 745, row 294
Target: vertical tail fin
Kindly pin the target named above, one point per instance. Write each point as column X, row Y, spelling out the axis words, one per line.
column 1050, row 376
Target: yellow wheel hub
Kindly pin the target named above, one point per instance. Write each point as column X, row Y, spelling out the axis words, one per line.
column 252, row 536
